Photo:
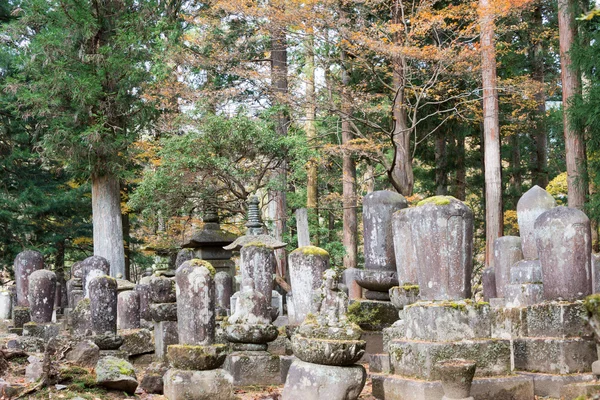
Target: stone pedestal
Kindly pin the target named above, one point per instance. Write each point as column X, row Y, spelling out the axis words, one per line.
column 165, row 334
column 216, row 384
column 307, row 381
column 250, row 368
column 552, row 343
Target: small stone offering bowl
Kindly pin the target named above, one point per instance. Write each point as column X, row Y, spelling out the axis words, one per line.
column 196, row 357
column 328, row 352
column 457, row 376
column 246, row 333
column 402, row 296
column 377, row 281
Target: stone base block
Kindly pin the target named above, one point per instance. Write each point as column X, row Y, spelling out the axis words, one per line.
column 526, row 272
column 374, row 341
column 373, row 315
column 550, row 385
column 396, row 331
column 395, row 387
column 306, row 381
column 576, row 391
column 380, row 363
column 508, row 323
column 447, row 321
column 163, row 311
column 21, row 316
column 554, row 356
column 165, row 334
column 558, row 319
column 137, row 341
column 216, row 384
column 42, row 331
column 522, row 295
column 417, row 359
column 250, row 368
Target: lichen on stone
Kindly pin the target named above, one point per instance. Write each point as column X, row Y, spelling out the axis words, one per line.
column 592, row 305
column 196, row 262
column 437, row 200
column 257, row 244
column 311, row 250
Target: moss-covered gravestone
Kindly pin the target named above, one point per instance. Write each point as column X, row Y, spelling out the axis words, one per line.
column 195, row 361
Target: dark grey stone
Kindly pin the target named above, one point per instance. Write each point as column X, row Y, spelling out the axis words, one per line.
column 183, row 256
column 25, row 263
column 163, row 312
column 530, row 206
column 378, row 208
column 80, row 318
column 165, row 334
column 103, row 304
column 507, row 252
column 223, row 292
column 143, row 291
column 565, row 249
column 128, row 310
column 42, row 289
column 108, row 341
column 162, row 290
column 137, row 341
column 44, row 331
column 407, row 266
column 526, row 272
column 488, row 281
column 21, row 316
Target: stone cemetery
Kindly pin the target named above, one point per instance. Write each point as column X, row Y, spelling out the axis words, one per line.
column 408, row 325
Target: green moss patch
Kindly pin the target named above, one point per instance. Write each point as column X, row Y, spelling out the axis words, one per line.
column 437, row 200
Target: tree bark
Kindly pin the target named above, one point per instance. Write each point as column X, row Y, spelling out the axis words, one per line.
column 401, row 174
column 108, row 226
column 311, row 131
column 537, row 73
column 571, row 86
column 441, row 165
column 491, row 131
column 460, row 185
column 127, row 247
column 279, row 82
column 350, row 237
column 515, row 168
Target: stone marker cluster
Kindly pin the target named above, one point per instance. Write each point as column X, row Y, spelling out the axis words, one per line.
column 409, row 312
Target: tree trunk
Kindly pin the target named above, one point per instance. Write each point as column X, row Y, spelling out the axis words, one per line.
column 350, row 238
column 441, row 165
column 108, row 226
column 279, row 82
column 311, row 131
column 537, row 74
column 491, row 131
column 571, row 86
column 401, row 173
column 460, row 188
column 59, row 270
column 127, row 248
column 369, row 178
column 515, row 168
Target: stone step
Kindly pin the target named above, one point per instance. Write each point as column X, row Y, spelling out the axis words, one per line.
column 417, row 359
column 551, row 385
column 554, row 356
column 396, row 387
column 379, row 363
column 526, row 272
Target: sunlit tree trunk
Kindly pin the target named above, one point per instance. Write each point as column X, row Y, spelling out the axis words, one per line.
column 350, row 236
column 491, row 130
column 107, row 221
column 279, row 82
column 571, row 86
column 401, row 174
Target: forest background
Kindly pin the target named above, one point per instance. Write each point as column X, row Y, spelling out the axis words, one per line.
column 151, row 112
